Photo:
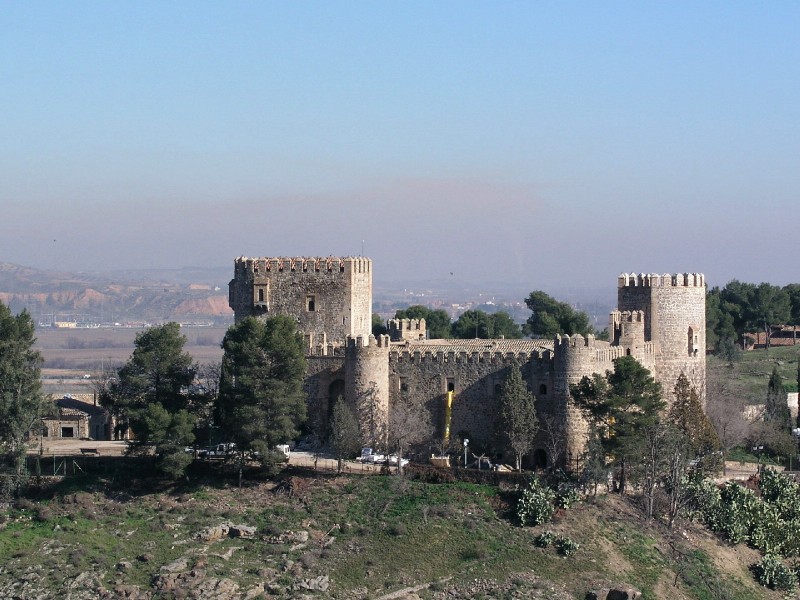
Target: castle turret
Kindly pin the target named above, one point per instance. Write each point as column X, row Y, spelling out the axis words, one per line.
column 407, row 329
column 574, row 357
column 367, row 386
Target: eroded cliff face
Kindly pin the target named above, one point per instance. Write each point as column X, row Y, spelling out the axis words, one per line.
column 98, row 298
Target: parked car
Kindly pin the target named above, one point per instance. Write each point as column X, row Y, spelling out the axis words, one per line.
column 216, row 451
column 370, row 457
column 393, row 459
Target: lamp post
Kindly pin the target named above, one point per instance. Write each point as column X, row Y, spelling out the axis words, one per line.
column 466, row 443
column 796, row 436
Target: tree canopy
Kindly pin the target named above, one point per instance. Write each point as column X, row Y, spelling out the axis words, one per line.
column 776, row 408
column 261, row 402
column 622, row 404
column 739, row 308
column 479, row 324
column 151, row 394
column 518, row 414
column 437, row 321
column 551, row 317
column 21, row 399
column 687, row 415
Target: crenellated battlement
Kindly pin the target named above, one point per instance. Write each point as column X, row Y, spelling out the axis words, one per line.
column 627, row 316
column 486, row 356
column 364, row 341
column 300, row 264
column 407, row 329
column 665, row 280
column 589, row 351
column 411, row 324
column 574, row 341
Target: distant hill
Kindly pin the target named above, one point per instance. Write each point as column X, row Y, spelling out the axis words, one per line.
column 126, row 296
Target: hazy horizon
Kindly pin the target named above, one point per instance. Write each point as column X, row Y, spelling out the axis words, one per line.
column 550, row 145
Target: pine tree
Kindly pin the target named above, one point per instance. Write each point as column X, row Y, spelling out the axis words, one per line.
column 21, row 398
column 518, row 414
column 261, row 402
column 150, row 394
column 621, row 404
column 776, row 410
column 688, row 416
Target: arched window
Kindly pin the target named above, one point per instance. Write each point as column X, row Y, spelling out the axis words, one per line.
column 542, row 389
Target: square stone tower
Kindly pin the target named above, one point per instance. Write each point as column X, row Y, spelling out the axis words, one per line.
column 331, row 298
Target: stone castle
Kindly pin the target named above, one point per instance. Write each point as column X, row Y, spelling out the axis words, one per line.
column 660, row 320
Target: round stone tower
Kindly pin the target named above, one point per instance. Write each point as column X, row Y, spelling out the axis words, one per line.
column 574, row 357
column 367, row 386
column 674, row 308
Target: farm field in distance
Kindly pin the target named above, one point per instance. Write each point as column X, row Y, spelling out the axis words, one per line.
column 70, row 354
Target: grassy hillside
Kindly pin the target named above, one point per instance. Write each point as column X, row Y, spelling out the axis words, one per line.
column 749, row 372
column 106, row 534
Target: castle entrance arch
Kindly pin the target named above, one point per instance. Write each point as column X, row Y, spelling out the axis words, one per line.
column 335, row 389
column 539, row 459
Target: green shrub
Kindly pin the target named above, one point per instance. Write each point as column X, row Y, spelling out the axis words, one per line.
column 565, row 546
column 566, row 497
column 772, row 573
column 535, row 504
column 544, row 539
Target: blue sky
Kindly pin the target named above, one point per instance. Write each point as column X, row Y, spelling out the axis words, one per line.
column 550, row 144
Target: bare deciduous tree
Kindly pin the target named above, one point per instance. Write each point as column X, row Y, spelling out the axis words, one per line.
column 728, row 413
column 344, row 432
column 555, row 438
column 409, row 423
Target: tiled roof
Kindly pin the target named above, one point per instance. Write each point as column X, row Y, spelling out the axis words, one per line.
column 73, row 406
column 503, row 345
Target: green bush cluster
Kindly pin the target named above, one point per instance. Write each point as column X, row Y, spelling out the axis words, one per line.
column 566, row 497
column 768, row 521
column 535, row 505
column 772, row 573
column 544, row 539
column 564, row 545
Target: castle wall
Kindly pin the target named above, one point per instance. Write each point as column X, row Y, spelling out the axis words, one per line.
column 324, row 381
column 660, row 321
column 328, row 296
column 476, row 378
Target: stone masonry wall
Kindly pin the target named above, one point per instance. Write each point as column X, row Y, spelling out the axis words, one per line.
column 328, row 296
column 367, row 386
column 674, row 307
column 476, row 378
